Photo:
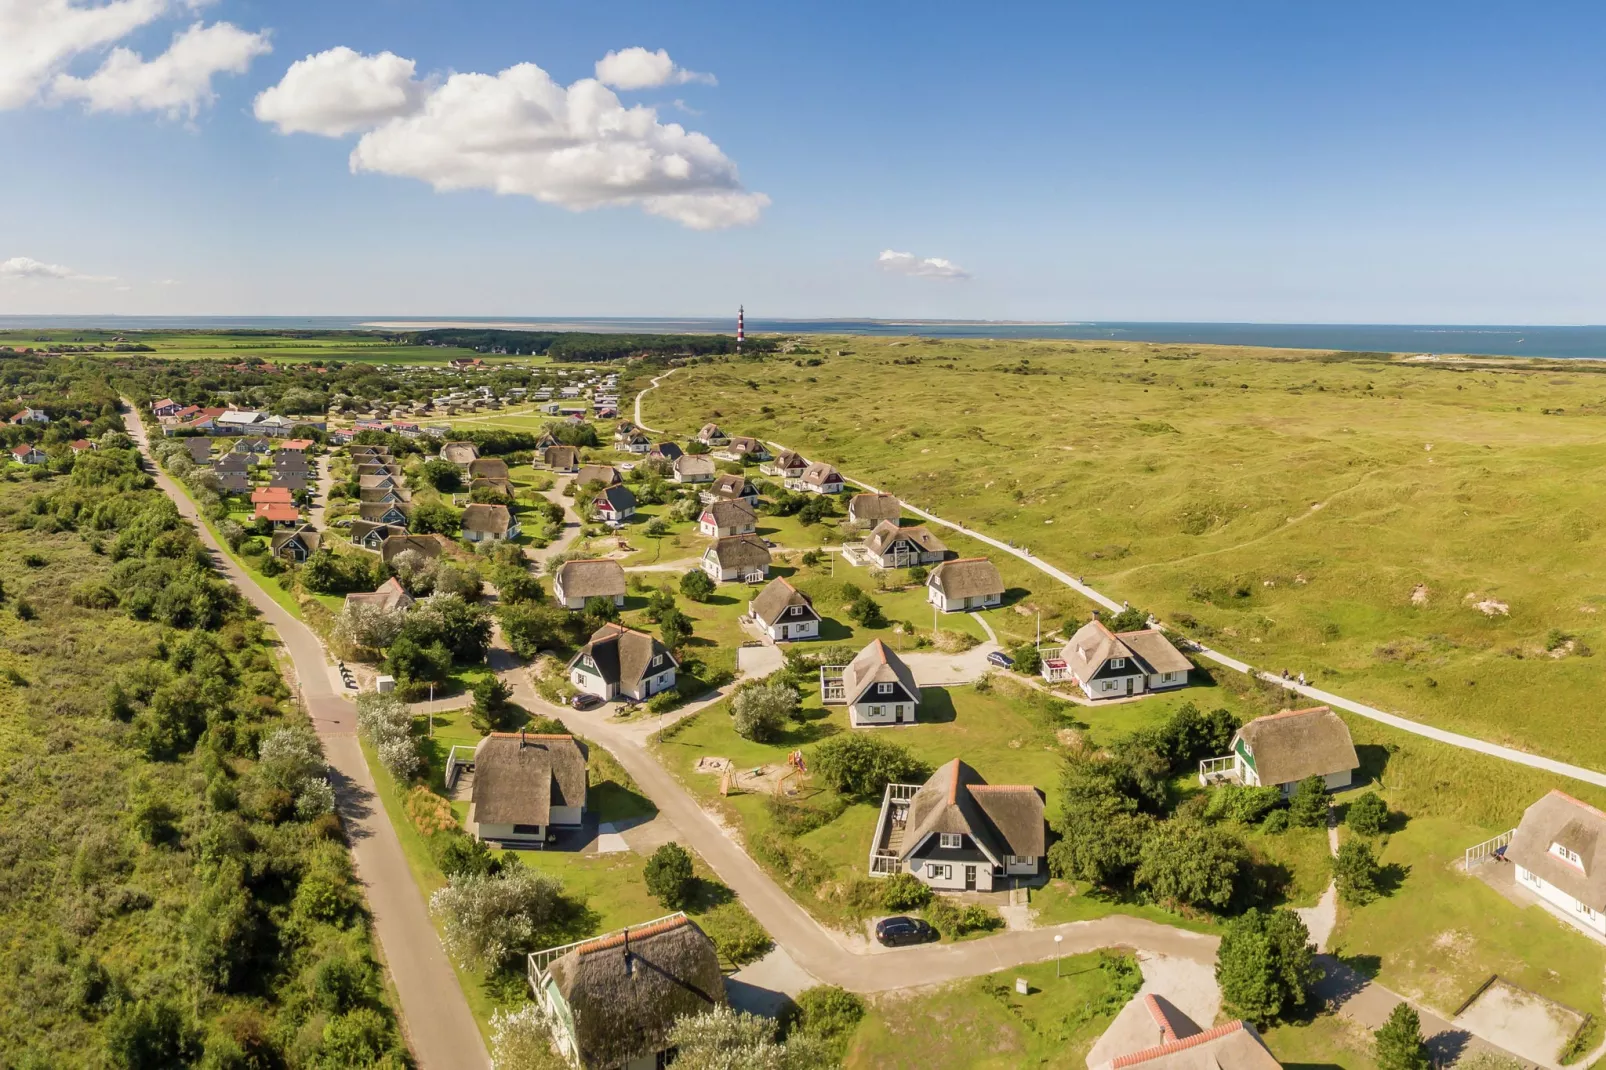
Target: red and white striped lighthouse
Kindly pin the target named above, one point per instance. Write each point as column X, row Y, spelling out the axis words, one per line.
column 741, row 331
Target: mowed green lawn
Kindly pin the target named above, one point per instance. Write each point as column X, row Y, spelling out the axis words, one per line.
column 1285, row 504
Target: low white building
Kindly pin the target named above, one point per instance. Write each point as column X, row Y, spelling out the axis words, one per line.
column 820, row 478
column 891, row 546
column 965, row 583
column 1282, row 749
column 740, row 557
column 957, row 833
column 785, row 613
column 526, row 786
column 621, row 662
column 1559, row 855
column 577, row 582
column 692, row 468
column 727, row 517
column 877, row 687
column 1106, row 664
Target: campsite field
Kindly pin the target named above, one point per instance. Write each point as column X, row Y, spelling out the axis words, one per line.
column 1424, row 536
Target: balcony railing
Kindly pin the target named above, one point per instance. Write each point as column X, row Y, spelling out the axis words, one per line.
column 1215, row 770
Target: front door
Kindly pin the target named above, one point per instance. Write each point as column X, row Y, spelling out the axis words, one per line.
column 970, row 878
column 783, row 630
column 1129, row 682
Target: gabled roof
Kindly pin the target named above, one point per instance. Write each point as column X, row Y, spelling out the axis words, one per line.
column 519, row 777
column 623, row 655
column 739, row 551
column 733, row 486
column 1230, row 1046
column 271, row 494
column 710, row 431
column 776, row 598
column 1148, row 649
column 618, row 497
column 459, row 452
column 694, row 464
column 361, row 529
column 307, row 535
column 730, row 512
column 667, row 450
column 1559, row 818
column 606, row 474
column 875, row 507
column 877, row 664
column 624, row 1006
column 966, row 577
column 488, row 468
column 277, row 512
column 888, row 533
column 819, row 474
column 746, row 444
column 591, row 578
column 488, row 519
column 380, row 510
column 790, row 459
column 388, row 595
column 561, row 456
column 1296, row 744
column 376, row 482
column 1001, row 819
column 432, row 545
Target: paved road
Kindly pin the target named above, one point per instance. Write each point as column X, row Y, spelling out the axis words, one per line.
column 435, row 1016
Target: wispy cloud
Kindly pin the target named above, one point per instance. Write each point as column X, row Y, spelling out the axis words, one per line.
column 28, row 269
column 931, row 267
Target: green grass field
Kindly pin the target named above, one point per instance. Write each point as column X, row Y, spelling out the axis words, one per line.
column 351, row 347
column 983, row 1024
column 1286, row 505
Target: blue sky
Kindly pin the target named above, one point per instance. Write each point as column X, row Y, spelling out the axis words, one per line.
column 1334, row 163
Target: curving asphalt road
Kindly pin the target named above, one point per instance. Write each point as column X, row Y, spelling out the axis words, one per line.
column 435, row 1016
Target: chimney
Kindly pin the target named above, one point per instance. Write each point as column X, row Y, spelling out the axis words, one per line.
column 521, row 739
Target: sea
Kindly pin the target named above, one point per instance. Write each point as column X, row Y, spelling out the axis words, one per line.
column 1446, row 339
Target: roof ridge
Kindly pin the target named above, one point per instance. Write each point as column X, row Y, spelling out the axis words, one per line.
column 1003, row 787
column 953, row 789
column 1172, row 1046
column 1292, row 713
column 1167, row 1033
column 612, row 940
column 1578, row 802
column 532, row 735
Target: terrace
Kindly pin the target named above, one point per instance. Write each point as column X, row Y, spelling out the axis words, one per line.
column 887, row 846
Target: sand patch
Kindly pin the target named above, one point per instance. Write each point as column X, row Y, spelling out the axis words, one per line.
column 1419, row 595
column 1489, row 607
column 1522, row 1022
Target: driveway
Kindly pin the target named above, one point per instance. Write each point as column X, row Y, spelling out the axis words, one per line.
column 434, row 1014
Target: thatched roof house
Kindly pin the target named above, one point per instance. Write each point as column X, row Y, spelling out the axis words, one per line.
column 616, row 998
column 962, row 833
column 874, row 508
column 736, row 558
column 965, row 583
column 576, row 581
column 525, row 784
column 461, row 454
column 1281, row 749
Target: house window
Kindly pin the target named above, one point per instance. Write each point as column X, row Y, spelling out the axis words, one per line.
column 949, row 839
column 883, row 689
column 1567, row 855
column 526, row 830
column 657, row 660
column 1584, row 909
column 940, row 873
column 1117, row 663
column 797, row 611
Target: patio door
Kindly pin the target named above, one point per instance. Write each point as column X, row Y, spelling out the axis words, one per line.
column 970, row 878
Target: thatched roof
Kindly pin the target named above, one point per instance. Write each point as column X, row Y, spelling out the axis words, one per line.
column 460, row 453
column 623, row 655
column 791, row 461
column 488, row 468
column 966, row 577
column 733, row 486
column 887, row 534
column 487, row 519
column 693, row 465
column 819, row 474
column 710, row 431
column 1558, row 818
column 1147, row 649
column 306, row 535
column 1296, row 744
column 739, row 551
column 361, row 529
column 776, row 598
column 1002, row 819
column 730, row 513
column 1155, row 650
column 877, row 664
column 373, row 494
column 606, row 474
column 388, row 595
column 1232, row 1046
column 427, row 545
column 874, row 508
column 519, row 777
column 669, row 451
column 596, row 578
column 625, row 990
column 561, row 456
column 380, row 510
column 382, row 481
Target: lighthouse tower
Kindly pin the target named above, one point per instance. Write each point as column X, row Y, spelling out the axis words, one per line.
column 741, row 331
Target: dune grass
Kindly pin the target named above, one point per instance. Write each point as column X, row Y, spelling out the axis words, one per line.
column 1285, row 504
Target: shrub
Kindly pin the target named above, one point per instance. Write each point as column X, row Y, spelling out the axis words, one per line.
column 761, row 711
column 863, row 765
column 1308, row 807
column 1397, row 1044
column 737, row 935
column 797, row 818
column 1356, row 872
column 1265, row 965
column 829, row 1013
column 1028, row 660
column 1130, row 619
column 464, row 856
column 387, row 724
column 1367, row 815
column 866, row 611
column 1192, row 864
column 521, row 1039
column 488, row 922
column 1276, row 822
column 492, row 712
column 696, row 585
column 1102, row 849
column 1234, row 802
column 150, row 1035
column 953, row 920
column 669, row 875
column 904, row 891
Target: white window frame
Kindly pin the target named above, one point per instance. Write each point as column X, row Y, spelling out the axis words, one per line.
column 939, row 871
column 1571, row 857
column 1117, row 663
column 657, row 660
column 950, row 840
column 883, row 689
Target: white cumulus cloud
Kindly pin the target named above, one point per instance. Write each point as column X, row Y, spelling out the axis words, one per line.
column 931, row 267
column 636, row 68
column 38, row 38
column 341, row 91
column 521, row 133
column 177, row 82
column 26, row 267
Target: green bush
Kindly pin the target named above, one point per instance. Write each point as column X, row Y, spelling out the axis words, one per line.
column 953, row 920
column 1356, row 872
column 1308, row 807
column 860, row 765
column 1028, row 660
column 737, row 935
column 1276, row 822
column 828, row 1013
column 1234, row 802
column 669, row 875
column 1367, row 815
column 793, row 817
column 1265, row 965
column 696, row 585
column 904, row 891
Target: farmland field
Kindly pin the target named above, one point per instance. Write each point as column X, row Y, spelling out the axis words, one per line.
column 232, row 347
column 1422, row 536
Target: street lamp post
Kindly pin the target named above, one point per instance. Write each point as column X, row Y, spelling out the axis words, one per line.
column 429, row 711
column 1057, row 939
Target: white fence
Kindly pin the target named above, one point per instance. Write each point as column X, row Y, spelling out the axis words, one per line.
column 1216, row 769
column 1486, row 851
column 833, row 691
column 894, row 808
column 455, row 764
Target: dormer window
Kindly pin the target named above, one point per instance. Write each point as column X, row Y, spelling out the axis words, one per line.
column 1117, row 663
column 949, row 839
column 1567, row 854
column 883, row 689
column 657, row 660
